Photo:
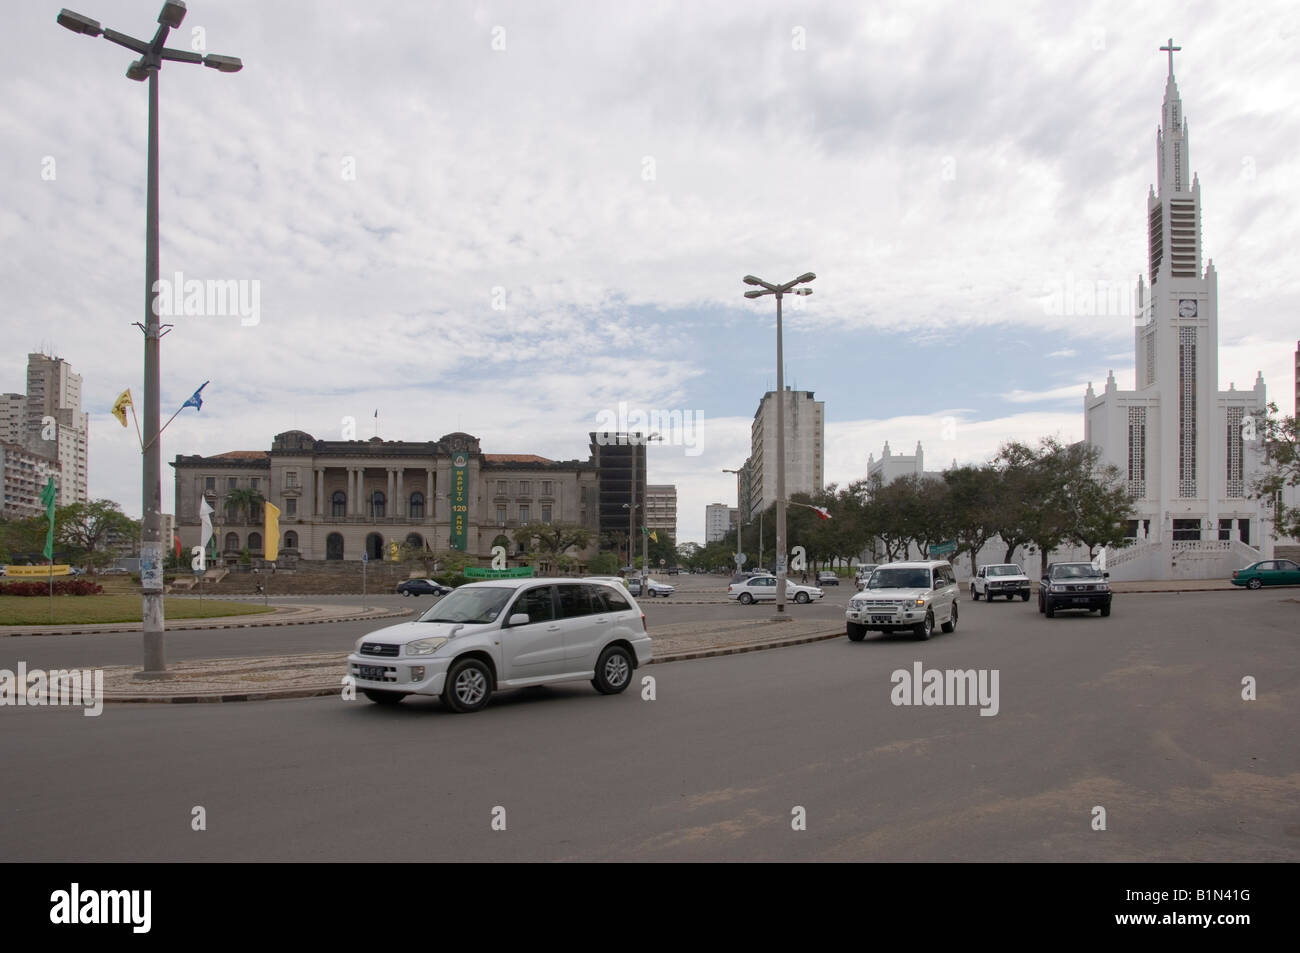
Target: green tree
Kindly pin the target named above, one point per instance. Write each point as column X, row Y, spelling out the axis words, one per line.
column 88, row 531
column 1279, row 438
column 22, row 538
column 553, row 540
column 603, row 564
column 973, row 497
column 246, row 501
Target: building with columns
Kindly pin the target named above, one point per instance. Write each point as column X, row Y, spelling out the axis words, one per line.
column 341, row 498
column 1185, row 446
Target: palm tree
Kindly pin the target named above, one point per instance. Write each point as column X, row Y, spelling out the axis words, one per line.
column 248, row 500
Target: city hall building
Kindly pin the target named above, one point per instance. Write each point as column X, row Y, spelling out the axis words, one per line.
column 339, row 499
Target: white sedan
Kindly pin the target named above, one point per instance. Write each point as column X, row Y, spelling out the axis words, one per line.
column 763, row 588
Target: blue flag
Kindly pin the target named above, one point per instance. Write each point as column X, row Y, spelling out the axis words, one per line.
column 196, row 401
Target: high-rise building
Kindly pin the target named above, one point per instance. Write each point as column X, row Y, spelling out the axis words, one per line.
column 24, row 475
column 1178, row 438
column 615, row 456
column 719, row 519
column 54, row 425
column 13, row 417
column 1297, row 379
column 804, row 444
column 661, row 508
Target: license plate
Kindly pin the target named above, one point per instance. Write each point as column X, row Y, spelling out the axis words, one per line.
column 374, row 673
column 882, row 618
column 1080, row 599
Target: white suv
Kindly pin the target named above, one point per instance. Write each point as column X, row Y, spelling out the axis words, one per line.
column 506, row 633
column 905, row 596
column 1000, row 579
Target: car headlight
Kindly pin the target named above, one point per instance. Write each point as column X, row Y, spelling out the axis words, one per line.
column 921, row 600
column 1055, row 588
column 425, row 646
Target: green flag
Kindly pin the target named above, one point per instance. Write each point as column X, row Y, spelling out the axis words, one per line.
column 47, row 497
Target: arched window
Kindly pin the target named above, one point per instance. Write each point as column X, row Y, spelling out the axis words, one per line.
column 375, row 546
column 339, row 507
column 377, row 501
column 334, row 546
column 417, row 505
column 232, row 542
column 254, row 542
column 291, row 540
column 415, row 541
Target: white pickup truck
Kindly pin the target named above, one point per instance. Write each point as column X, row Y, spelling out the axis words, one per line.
column 1000, row 579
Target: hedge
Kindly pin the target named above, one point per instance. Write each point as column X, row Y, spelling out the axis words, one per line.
column 62, row 587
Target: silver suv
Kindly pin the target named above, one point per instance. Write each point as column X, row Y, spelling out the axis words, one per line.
column 506, row 633
column 907, row 596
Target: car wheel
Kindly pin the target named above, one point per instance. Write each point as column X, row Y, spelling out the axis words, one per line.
column 1049, row 611
column 746, row 598
column 1040, row 603
column 856, row 632
column 406, row 592
column 1255, row 583
column 1105, row 611
column 613, row 670
column 951, row 624
column 801, row 598
column 384, row 698
column 1024, row 597
column 975, row 596
column 926, row 628
column 469, row 684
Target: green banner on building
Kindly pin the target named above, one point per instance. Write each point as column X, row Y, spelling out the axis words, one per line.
column 459, row 501
column 521, row 572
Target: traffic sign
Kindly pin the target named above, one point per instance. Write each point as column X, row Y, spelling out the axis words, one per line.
column 739, row 559
column 365, row 556
column 661, row 562
column 942, row 549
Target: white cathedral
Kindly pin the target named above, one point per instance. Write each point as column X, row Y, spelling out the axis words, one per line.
column 1184, row 445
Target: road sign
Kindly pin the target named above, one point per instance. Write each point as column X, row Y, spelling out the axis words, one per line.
column 739, row 559
column 661, row 562
column 943, row 549
column 365, row 556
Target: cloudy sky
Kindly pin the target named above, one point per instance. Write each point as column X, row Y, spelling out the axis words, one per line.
column 506, row 218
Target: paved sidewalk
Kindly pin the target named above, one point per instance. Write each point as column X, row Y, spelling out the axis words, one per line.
column 305, row 676
column 279, row 615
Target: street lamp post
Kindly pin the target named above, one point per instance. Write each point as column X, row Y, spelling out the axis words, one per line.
column 152, row 54
column 645, row 518
column 766, row 288
column 740, row 517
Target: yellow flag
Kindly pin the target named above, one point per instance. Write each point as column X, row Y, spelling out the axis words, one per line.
column 271, row 528
column 654, row 536
column 121, row 404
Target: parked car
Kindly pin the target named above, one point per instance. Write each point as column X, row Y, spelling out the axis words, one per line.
column 1074, row 586
column 905, row 596
column 864, row 573
column 653, row 587
column 827, row 578
column 422, row 587
column 505, row 633
column 616, row 581
column 1269, row 572
column 762, row 588
column 1001, row 579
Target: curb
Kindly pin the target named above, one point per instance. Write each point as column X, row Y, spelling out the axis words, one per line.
column 182, row 624
column 277, row 694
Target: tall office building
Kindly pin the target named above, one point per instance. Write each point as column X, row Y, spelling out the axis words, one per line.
column 54, row 425
column 804, row 444
column 661, row 508
column 13, row 417
column 719, row 518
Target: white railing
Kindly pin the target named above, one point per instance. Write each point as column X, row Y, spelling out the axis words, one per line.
column 1130, row 552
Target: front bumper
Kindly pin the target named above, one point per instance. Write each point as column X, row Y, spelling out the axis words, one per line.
column 410, row 675
column 1008, row 589
column 1076, row 600
column 877, row 620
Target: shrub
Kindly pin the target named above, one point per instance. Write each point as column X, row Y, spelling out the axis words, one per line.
column 62, row 587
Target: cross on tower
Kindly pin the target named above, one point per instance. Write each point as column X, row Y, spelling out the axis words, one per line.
column 1171, row 50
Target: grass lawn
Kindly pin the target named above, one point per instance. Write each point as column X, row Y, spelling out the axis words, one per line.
column 110, row 607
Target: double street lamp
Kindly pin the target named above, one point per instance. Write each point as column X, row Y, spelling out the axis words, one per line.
column 740, row 517
column 152, row 54
column 767, row 288
column 631, row 508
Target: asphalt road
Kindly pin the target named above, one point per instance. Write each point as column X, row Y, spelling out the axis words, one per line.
column 124, row 648
column 1140, row 714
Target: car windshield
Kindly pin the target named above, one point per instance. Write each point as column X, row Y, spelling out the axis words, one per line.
column 1074, row 571
column 1004, row 571
column 900, row 579
column 470, row 605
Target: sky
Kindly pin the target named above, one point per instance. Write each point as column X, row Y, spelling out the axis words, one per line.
column 510, row 218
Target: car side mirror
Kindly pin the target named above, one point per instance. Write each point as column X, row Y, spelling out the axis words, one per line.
column 519, row 618
column 1105, row 575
